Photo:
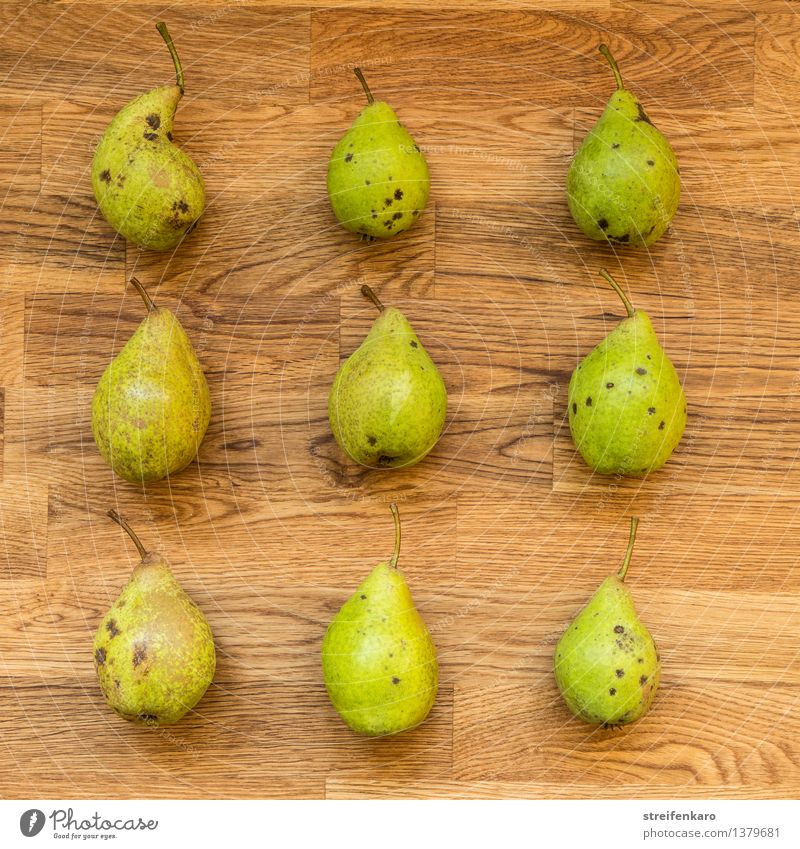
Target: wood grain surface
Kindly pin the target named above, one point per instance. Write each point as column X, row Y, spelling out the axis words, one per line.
column 506, row 533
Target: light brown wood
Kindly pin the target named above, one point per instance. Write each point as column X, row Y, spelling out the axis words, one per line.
column 505, row 531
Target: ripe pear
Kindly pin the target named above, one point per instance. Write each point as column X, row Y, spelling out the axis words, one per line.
column 378, row 179
column 378, row 658
column 624, row 183
column 388, row 401
column 154, row 651
column 147, row 188
column 627, row 410
column 151, row 407
column 606, row 663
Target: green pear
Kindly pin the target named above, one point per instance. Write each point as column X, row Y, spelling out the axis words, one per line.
column 378, row 179
column 378, row 658
column 388, row 401
column 606, row 663
column 627, row 410
column 154, row 651
column 624, row 183
column 147, row 188
column 151, row 407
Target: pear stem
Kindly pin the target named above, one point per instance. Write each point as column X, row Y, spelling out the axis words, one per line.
column 603, row 48
column 631, row 540
column 618, row 289
column 162, row 28
column 148, row 301
column 396, row 555
column 112, row 514
column 370, row 98
column 367, row 292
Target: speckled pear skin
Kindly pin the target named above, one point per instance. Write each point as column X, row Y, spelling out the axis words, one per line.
column 388, row 402
column 606, row 664
column 378, row 179
column 147, row 188
column 154, row 651
column 623, row 184
column 152, row 406
column 627, row 409
column 378, row 658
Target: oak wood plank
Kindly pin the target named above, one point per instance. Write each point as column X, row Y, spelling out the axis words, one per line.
column 533, row 56
column 728, row 734
column 112, row 54
column 246, row 734
column 350, row 788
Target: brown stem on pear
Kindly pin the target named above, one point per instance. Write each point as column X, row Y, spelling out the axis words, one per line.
column 396, row 555
column 631, row 540
column 148, row 301
column 367, row 292
column 603, row 48
column 162, row 28
column 370, row 98
column 127, row 528
column 618, row 289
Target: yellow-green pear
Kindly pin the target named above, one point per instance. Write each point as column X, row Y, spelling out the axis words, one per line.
column 151, row 407
column 606, row 663
column 378, row 658
column 378, row 178
column 147, row 188
column 624, row 183
column 627, row 410
column 388, row 401
column 154, row 651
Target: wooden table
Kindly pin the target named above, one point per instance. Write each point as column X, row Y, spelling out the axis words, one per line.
column 506, row 532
